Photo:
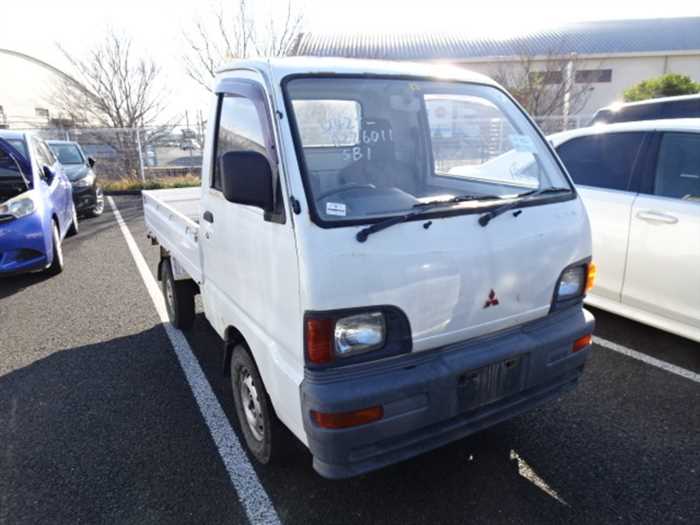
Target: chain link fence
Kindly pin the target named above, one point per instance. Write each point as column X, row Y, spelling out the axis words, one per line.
column 171, row 151
column 136, row 153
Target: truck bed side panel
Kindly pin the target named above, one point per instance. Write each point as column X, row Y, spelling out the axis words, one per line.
column 170, row 217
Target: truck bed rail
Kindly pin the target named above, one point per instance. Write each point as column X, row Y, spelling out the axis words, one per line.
column 170, row 217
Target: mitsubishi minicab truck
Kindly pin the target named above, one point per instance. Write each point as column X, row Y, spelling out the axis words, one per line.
column 392, row 254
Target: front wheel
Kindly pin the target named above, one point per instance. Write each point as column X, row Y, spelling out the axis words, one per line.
column 263, row 432
column 99, row 206
column 179, row 298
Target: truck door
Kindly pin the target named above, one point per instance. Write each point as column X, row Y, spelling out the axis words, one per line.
column 249, row 257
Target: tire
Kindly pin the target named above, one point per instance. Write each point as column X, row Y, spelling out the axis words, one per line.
column 265, row 436
column 74, row 228
column 99, row 206
column 57, row 264
column 179, row 298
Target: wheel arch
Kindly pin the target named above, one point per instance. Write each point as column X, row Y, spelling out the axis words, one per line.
column 232, row 338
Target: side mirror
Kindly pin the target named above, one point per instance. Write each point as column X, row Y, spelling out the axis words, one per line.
column 91, row 162
column 247, row 179
column 48, row 174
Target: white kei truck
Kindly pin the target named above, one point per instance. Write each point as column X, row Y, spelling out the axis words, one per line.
column 392, row 254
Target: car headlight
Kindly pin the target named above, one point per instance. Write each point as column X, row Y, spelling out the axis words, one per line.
column 574, row 282
column 348, row 336
column 18, row 207
column 359, row 333
column 85, row 181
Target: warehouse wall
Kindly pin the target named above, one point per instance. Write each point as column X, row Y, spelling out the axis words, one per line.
column 626, row 71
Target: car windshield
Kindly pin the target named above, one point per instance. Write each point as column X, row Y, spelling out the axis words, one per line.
column 375, row 147
column 19, row 145
column 67, row 153
column 8, row 167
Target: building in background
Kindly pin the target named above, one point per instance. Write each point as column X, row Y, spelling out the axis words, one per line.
column 25, row 92
column 609, row 56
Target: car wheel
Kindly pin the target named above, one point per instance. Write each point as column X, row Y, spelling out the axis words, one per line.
column 56, row 266
column 99, row 206
column 264, row 434
column 74, row 228
column 179, row 298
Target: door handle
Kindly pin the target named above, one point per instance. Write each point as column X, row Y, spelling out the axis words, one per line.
column 657, row 216
column 208, row 216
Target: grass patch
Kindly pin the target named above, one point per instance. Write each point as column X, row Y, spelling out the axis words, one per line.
column 130, row 184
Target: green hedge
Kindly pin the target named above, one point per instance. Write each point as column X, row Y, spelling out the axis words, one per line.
column 130, row 184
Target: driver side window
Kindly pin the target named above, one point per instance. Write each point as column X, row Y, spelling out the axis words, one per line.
column 239, row 128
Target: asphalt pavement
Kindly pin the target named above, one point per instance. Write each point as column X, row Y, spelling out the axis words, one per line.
column 99, row 424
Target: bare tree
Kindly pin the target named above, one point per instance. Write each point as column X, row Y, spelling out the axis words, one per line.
column 116, row 91
column 238, row 32
column 552, row 84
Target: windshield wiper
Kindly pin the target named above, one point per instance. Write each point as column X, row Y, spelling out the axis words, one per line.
column 420, row 208
column 500, row 210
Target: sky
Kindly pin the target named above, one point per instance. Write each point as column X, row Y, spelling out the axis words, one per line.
column 156, row 26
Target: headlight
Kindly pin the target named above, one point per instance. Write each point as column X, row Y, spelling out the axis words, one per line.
column 572, row 282
column 18, row 207
column 85, row 181
column 359, row 333
column 343, row 337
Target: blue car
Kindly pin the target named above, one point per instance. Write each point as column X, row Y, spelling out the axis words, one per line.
column 36, row 205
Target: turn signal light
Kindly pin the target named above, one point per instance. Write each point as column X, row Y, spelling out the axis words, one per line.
column 319, row 340
column 348, row 419
column 582, row 342
column 590, row 276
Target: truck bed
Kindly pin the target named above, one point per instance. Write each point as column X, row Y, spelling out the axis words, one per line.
column 171, row 218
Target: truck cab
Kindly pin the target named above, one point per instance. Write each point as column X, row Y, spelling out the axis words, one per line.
column 392, row 253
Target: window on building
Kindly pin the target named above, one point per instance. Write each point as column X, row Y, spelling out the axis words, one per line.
column 41, row 112
column 328, row 123
column 678, row 168
column 592, row 76
column 604, row 161
column 546, row 77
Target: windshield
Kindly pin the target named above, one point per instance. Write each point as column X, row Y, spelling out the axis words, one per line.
column 379, row 147
column 8, row 167
column 67, row 153
column 19, row 145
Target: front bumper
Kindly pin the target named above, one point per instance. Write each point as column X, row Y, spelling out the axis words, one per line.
column 23, row 245
column 435, row 397
column 85, row 198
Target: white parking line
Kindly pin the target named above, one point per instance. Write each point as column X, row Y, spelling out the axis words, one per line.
column 663, row 365
column 255, row 500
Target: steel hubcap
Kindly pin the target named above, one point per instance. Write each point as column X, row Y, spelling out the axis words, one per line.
column 251, row 404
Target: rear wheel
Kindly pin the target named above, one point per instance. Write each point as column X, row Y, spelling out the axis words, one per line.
column 264, row 434
column 56, row 266
column 179, row 298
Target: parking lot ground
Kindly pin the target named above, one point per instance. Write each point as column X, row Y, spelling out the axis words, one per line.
column 99, row 424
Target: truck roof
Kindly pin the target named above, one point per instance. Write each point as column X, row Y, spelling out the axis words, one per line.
column 279, row 68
